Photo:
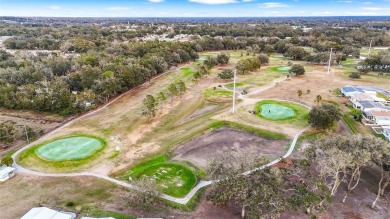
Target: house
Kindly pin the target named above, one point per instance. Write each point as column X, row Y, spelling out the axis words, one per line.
column 47, row 213
column 347, row 91
column 6, row 173
column 355, row 98
column 386, row 132
column 372, row 106
column 380, row 118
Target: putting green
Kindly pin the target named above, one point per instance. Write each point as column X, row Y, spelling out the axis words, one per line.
column 284, row 68
column 72, row 148
column 276, row 112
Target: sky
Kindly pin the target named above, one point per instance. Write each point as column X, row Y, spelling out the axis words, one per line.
column 193, row 8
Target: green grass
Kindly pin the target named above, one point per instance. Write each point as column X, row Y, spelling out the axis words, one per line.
column 232, row 84
column 301, row 112
column 219, row 93
column 276, row 112
column 96, row 212
column 280, row 69
column 174, row 178
column 187, row 71
column 191, row 204
column 71, row 148
column 380, row 95
column 261, row 132
column 29, row 158
column 350, row 123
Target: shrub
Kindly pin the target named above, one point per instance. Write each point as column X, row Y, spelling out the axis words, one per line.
column 354, row 75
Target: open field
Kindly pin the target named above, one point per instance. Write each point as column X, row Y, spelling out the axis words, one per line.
column 184, row 122
column 202, row 149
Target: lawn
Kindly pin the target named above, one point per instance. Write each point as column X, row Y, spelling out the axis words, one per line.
column 300, row 112
column 187, row 71
column 381, row 95
column 276, row 112
column 175, row 179
column 30, row 158
column 217, row 93
column 230, row 86
column 72, row 148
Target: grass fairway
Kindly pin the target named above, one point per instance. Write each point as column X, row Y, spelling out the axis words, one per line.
column 280, row 68
column 175, row 179
column 282, row 111
column 72, row 148
column 276, row 112
column 231, row 85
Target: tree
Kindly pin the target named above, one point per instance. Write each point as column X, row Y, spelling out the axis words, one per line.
column 299, row 93
column 257, row 193
column 226, row 74
column 181, row 87
column 150, row 104
column 297, row 69
column 382, row 159
column 264, row 59
column 354, row 75
column 318, row 99
column 307, row 91
column 161, row 96
column 173, row 90
column 323, row 117
column 8, row 161
column 146, row 196
column 296, row 53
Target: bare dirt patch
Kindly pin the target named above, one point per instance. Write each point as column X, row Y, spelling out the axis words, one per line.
column 202, row 149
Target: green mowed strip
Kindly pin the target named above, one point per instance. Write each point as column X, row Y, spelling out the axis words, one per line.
column 220, row 93
column 72, row 148
column 174, row 179
column 187, row 71
column 276, row 111
column 283, row 111
column 231, row 85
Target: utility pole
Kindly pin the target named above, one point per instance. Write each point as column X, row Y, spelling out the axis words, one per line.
column 234, row 90
column 330, row 59
column 369, row 49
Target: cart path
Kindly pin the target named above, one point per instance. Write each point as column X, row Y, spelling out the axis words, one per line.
column 201, row 183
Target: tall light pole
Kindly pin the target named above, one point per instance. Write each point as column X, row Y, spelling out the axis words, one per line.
column 234, row 90
column 369, row 49
column 330, row 59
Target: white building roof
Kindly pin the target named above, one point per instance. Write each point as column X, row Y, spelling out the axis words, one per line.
column 45, row 213
column 6, row 170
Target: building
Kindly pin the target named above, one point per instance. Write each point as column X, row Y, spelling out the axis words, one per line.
column 356, row 98
column 47, row 213
column 347, row 91
column 386, row 132
column 372, row 106
column 6, row 173
column 380, row 118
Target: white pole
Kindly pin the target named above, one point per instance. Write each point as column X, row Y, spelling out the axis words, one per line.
column 234, row 90
column 369, row 49
column 25, row 129
column 330, row 58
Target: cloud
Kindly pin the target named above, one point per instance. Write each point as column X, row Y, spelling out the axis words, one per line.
column 155, row 1
column 372, row 9
column 345, row 1
column 117, row 8
column 213, row 2
column 54, row 7
column 273, row 5
column 248, row 0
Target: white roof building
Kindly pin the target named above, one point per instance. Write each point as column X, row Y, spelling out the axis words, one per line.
column 47, row 213
column 6, row 173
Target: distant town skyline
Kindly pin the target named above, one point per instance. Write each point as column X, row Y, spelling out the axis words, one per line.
column 193, row 8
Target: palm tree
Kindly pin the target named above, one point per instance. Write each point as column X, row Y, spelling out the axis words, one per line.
column 318, row 99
